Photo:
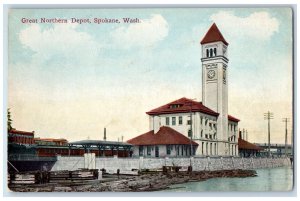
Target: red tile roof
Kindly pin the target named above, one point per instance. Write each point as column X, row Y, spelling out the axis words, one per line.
column 51, row 140
column 165, row 136
column 213, row 35
column 231, row 118
column 14, row 131
column 243, row 144
column 185, row 105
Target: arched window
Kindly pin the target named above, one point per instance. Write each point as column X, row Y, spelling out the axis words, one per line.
column 211, row 52
column 215, row 51
column 215, row 148
column 207, row 53
column 206, row 148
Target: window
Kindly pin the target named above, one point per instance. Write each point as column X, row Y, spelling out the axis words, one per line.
column 156, row 151
column 168, row 149
column 186, row 150
column 173, row 121
column 189, row 122
column 175, row 106
column 167, row 120
column 148, row 150
column 235, row 150
column 190, row 133
column 141, row 150
column 180, row 120
column 215, row 51
column 177, row 150
column 211, row 52
column 207, row 53
column 215, row 148
column 202, row 148
column 210, row 148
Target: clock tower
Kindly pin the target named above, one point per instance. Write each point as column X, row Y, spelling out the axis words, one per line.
column 214, row 81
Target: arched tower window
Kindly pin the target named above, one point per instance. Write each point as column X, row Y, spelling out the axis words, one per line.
column 207, row 53
column 215, row 51
column 211, row 52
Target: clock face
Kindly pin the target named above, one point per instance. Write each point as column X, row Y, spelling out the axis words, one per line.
column 211, row 74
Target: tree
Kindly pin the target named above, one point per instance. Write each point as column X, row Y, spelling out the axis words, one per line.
column 9, row 120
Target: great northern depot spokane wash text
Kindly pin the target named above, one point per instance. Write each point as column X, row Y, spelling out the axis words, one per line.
column 81, row 20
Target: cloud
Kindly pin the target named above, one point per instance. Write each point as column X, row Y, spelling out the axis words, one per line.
column 62, row 42
column 258, row 25
column 144, row 34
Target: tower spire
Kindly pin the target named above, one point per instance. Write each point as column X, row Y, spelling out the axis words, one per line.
column 213, row 35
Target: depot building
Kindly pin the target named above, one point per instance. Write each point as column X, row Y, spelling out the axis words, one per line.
column 185, row 127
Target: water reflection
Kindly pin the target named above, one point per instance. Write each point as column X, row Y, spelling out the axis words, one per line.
column 267, row 180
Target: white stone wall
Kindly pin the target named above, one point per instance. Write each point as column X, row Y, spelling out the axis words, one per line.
column 126, row 165
column 68, row 163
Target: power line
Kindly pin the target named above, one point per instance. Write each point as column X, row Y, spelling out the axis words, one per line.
column 268, row 116
column 285, row 120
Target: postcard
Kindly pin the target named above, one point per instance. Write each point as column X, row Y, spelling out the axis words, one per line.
column 150, row 99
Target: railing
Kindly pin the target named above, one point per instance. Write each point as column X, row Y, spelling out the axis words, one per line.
column 30, row 157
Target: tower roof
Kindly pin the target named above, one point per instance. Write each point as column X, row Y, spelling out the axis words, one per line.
column 213, row 35
column 182, row 105
column 165, row 136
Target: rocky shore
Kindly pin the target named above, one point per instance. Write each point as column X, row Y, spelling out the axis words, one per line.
column 150, row 181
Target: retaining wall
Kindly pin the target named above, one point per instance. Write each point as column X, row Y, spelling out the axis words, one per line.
column 125, row 165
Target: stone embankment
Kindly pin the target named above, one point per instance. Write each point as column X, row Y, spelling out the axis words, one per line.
column 126, row 165
column 151, row 181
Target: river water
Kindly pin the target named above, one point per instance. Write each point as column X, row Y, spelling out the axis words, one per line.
column 267, row 180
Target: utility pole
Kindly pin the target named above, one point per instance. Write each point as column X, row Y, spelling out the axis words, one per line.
column 267, row 116
column 292, row 141
column 104, row 136
column 285, row 120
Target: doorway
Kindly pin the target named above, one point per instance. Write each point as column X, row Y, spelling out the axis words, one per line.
column 156, row 151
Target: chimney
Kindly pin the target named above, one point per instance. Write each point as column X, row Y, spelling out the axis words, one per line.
column 243, row 136
column 104, row 138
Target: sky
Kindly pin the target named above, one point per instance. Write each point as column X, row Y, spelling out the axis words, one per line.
column 72, row 80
